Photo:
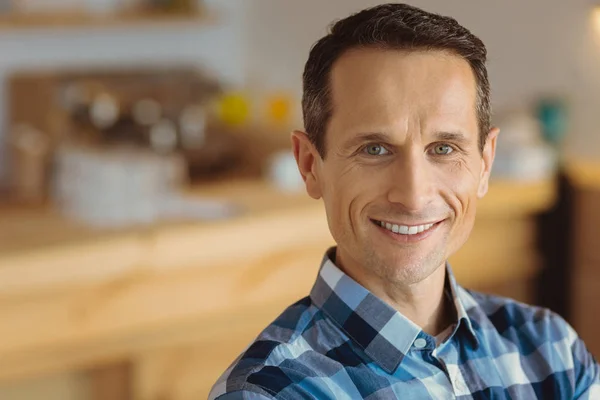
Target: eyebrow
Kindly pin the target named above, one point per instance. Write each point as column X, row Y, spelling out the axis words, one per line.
column 376, row 137
column 457, row 137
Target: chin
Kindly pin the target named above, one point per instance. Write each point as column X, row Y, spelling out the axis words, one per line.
column 410, row 269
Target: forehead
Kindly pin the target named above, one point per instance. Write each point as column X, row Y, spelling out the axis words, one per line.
column 373, row 86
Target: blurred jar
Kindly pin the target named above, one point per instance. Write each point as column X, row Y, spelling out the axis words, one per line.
column 283, row 172
column 521, row 152
column 115, row 187
column 29, row 150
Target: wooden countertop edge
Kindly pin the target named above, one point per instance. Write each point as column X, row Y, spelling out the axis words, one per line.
column 225, row 242
column 165, row 250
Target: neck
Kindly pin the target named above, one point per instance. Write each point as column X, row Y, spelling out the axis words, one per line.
column 424, row 302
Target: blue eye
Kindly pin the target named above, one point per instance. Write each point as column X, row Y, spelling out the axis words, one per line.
column 375, row 150
column 442, row 149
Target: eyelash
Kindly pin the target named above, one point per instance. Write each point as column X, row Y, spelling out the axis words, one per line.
column 453, row 149
column 364, row 149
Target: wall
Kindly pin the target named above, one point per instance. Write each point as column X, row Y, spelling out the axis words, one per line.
column 535, row 47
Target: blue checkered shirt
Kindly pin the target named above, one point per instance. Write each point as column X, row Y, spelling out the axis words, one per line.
column 342, row 342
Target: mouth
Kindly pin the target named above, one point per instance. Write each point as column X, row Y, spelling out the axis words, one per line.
column 407, row 233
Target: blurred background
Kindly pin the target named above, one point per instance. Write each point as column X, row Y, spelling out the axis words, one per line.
column 152, row 220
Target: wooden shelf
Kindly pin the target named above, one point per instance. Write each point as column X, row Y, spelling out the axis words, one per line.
column 82, row 19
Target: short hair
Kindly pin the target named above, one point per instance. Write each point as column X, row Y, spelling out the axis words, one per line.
column 392, row 26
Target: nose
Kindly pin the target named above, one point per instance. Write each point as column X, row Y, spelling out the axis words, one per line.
column 411, row 180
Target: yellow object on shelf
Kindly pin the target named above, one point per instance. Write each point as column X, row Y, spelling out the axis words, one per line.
column 234, row 108
column 279, row 109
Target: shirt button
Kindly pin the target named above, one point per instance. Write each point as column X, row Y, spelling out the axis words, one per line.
column 420, row 343
column 459, row 385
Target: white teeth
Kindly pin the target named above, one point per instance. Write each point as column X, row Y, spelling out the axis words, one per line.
column 405, row 230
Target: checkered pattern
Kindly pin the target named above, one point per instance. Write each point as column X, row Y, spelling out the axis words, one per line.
column 342, row 342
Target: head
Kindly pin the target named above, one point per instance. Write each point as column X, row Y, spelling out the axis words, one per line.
column 396, row 110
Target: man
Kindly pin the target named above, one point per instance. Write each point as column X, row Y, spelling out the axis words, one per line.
column 398, row 144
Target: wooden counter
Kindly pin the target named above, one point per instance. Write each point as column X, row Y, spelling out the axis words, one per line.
column 187, row 297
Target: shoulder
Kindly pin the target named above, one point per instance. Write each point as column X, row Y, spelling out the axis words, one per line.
column 543, row 342
column 259, row 370
column 511, row 327
column 508, row 315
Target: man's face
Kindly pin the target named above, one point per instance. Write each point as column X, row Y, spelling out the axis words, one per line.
column 402, row 152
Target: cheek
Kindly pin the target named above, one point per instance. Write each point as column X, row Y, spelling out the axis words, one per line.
column 459, row 185
column 347, row 191
column 459, row 190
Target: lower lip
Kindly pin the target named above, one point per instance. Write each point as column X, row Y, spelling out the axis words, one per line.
column 417, row 237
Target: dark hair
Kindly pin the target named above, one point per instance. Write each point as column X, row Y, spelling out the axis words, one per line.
column 388, row 26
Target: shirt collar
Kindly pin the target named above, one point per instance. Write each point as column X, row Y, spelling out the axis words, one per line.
column 383, row 333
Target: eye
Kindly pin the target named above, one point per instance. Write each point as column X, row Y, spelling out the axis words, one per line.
column 442, row 149
column 375, row 150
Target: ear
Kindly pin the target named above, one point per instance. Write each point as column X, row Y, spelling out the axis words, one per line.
column 307, row 158
column 487, row 159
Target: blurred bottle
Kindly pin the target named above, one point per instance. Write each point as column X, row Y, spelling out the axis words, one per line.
column 104, row 111
column 163, row 136
column 553, row 116
column 91, row 107
column 192, row 125
column 146, row 112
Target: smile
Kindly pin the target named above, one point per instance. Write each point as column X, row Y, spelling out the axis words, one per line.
column 404, row 229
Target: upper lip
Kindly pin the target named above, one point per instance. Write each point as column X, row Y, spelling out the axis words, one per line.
column 404, row 224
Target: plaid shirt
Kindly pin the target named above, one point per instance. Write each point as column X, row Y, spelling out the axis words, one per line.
column 342, row 342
